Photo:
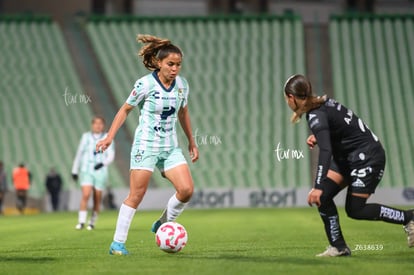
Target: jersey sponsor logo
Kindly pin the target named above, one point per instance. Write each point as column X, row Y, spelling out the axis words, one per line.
column 349, row 116
column 314, row 123
column 311, row 116
column 334, row 227
column 392, row 214
column 358, row 183
column 162, row 129
column 319, row 174
column 331, row 102
column 380, row 174
column 339, row 107
column 167, row 111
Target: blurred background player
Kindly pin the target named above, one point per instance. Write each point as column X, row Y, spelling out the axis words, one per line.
column 3, row 185
column 54, row 186
column 21, row 182
column 162, row 98
column 92, row 169
column 349, row 155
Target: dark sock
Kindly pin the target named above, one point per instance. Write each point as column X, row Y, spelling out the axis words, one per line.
column 330, row 218
column 329, row 215
column 357, row 208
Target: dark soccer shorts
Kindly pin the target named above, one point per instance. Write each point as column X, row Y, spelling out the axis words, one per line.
column 362, row 170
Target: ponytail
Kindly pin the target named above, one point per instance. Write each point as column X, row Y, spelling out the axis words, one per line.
column 154, row 50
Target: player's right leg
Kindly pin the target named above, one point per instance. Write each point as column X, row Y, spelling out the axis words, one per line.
column 139, row 179
column 329, row 215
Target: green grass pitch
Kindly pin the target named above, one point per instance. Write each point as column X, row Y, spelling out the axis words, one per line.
column 237, row 241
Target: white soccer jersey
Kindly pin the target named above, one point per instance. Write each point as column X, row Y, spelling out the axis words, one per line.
column 86, row 157
column 159, row 108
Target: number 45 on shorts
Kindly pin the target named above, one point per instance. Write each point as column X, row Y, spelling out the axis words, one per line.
column 361, row 173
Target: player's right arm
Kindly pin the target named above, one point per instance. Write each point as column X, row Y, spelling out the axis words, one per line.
column 311, row 141
column 118, row 121
column 77, row 160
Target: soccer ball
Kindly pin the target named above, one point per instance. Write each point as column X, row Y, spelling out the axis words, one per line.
column 171, row 237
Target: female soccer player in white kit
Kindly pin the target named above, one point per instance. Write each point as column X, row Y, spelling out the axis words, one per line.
column 162, row 99
column 92, row 169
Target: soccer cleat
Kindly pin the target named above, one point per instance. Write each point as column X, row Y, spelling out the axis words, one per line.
column 90, row 227
column 332, row 251
column 117, row 248
column 409, row 229
column 79, row 226
column 155, row 226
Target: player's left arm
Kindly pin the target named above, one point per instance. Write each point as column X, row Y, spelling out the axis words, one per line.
column 184, row 118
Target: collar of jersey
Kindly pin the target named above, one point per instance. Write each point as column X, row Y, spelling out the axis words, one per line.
column 155, row 75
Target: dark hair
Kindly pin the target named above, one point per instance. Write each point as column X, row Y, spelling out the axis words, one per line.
column 300, row 87
column 98, row 117
column 155, row 49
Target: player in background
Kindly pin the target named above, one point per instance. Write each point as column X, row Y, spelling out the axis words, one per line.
column 22, row 179
column 3, row 185
column 91, row 168
column 162, row 99
column 349, row 155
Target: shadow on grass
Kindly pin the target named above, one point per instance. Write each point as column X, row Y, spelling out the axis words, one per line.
column 23, row 259
column 258, row 259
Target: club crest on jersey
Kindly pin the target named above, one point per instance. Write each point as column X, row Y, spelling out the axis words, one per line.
column 180, row 93
column 138, row 156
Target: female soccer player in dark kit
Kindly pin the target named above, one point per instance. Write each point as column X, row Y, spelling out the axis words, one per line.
column 350, row 155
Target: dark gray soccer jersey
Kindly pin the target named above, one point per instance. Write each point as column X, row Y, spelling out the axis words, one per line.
column 340, row 134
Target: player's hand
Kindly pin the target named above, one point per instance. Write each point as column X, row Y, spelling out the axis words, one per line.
column 103, row 144
column 98, row 166
column 311, row 141
column 192, row 148
column 75, row 177
column 314, row 197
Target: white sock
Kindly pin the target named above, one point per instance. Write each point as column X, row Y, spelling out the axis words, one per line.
column 125, row 216
column 174, row 208
column 82, row 215
column 94, row 218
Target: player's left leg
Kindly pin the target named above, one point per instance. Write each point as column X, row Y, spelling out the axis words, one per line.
column 21, row 200
column 178, row 173
column 1, row 202
column 365, row 181
column 358, row 208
